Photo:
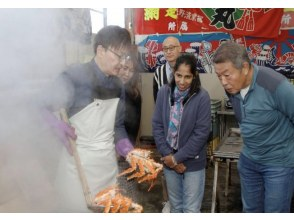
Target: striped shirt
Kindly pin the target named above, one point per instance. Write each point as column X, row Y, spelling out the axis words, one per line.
column 162, row 75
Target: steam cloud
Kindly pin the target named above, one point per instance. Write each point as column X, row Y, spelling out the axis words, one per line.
column 31, row 56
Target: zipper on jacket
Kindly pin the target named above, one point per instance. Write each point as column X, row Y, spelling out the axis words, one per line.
column 243, row 102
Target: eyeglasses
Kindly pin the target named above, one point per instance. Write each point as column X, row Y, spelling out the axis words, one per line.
column 123, row 57
column 170, row 48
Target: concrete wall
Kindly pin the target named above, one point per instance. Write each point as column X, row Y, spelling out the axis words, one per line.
column 209, row 81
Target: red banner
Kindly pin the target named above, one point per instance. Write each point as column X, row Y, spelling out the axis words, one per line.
column 240, row 21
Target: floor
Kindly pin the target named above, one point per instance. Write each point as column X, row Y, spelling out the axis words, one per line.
column 152, row 201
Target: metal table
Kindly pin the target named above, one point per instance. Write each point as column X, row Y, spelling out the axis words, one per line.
column 227, row 151
column 223, row 117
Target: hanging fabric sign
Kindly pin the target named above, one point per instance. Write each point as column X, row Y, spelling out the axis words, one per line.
column 274, row 53
column 240, row 21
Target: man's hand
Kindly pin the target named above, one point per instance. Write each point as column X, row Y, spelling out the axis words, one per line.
column 62, row 129
column 180, row 168
column 124, row 147
column 169, row 161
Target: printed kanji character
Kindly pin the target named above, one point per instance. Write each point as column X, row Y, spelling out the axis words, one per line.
column 151, row 13
column 171, row 26
column 184, row 26
column 286, row 19
column 150, row 58
column 171, row 12
column 225, row 16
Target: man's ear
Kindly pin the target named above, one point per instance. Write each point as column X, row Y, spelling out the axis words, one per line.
column 100, row 50
column 246, row 68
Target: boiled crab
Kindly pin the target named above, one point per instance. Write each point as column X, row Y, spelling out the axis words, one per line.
column 113, row 201
column 142, row 166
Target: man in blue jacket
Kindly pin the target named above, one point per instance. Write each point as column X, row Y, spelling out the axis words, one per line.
column 262, row 100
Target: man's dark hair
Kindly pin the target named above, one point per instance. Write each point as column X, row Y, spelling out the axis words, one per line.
column 231, row 52
column 112, row 36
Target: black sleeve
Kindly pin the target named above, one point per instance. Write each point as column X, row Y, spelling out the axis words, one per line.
column 120, row 129
column 155, row 89
column 133, row 117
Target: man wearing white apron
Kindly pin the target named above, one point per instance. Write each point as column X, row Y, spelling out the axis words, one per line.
column 95, row 105
column 95, row 146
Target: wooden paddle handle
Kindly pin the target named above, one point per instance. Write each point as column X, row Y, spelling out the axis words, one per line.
column 83, row 179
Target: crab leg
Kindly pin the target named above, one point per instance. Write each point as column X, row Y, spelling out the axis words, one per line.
column 131, row 169
column 140, row 173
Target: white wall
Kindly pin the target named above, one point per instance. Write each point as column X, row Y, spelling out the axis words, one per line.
column 211, row 83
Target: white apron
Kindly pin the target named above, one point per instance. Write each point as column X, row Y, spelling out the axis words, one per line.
column 94, row 127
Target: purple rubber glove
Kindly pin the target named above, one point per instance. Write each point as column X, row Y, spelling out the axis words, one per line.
column 63, row 130
column 123, row 147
